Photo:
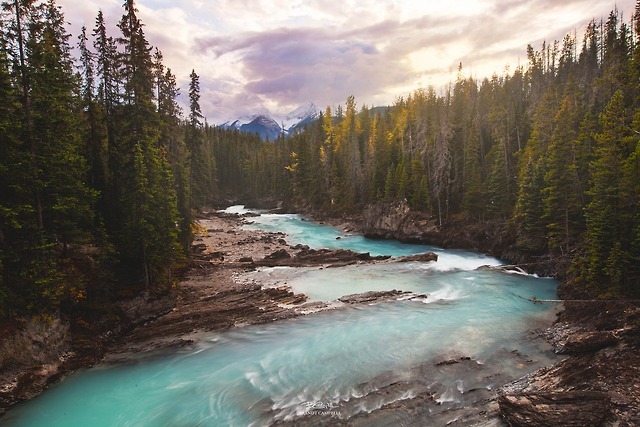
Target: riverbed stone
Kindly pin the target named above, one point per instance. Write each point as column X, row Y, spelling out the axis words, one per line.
column 426, row 257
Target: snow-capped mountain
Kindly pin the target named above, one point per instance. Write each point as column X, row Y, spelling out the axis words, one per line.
column 299, row 117
column 270, row 126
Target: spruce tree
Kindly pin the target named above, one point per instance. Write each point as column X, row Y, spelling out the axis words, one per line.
column 562, row 208
column 604, row 231
column 145, row 203
column 203, row 161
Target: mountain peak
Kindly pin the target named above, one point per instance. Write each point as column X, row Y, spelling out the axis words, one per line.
column 270, row 126
column 304, row 111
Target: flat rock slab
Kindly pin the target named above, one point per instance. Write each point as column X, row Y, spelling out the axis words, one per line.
column 588, row 342
column 569, row 408
column 426, row 257
column 371, row 296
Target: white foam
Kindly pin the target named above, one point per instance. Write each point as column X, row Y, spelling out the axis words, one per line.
column 236, row 209
column 448, row 261
column 521, row 273
column 446, row 293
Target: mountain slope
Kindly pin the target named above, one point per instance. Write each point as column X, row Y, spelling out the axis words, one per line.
column 270, row 126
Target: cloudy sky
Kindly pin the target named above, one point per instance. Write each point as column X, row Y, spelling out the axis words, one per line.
column 278, row 54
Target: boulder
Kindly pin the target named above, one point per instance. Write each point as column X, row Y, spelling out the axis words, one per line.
column 308, row 257
column 198, row 248
column 328, row 256
column 384, row 218
column 513, row 268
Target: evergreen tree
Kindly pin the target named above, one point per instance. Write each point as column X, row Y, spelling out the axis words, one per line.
column 48, row 205
column 203, row 162
column 474, row 195
column 562, row 208
column 604, row 229
column 146, row 204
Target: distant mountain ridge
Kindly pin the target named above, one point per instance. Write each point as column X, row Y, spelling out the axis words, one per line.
column 270, row 126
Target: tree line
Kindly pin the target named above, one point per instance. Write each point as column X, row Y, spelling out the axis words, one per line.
column 96, row 158
column 551, row 150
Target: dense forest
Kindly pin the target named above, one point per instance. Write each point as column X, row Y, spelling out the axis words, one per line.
column 98, row 160
column 550, row 150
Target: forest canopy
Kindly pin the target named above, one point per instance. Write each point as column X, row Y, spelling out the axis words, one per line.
column 550, row 150
column 98, row 159
column 95, row 154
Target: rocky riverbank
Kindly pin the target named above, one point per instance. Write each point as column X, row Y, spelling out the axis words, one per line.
column 397, row 221
column 595, row 385
column 598, row 383
column 207, row 299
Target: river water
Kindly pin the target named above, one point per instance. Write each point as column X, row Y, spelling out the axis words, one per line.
column 422, row 359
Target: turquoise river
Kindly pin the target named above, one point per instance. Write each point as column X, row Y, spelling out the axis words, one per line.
column 428, row 358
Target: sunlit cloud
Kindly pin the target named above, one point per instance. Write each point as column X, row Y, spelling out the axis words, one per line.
column 278, row 54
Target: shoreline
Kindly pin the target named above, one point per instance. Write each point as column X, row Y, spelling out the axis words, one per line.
column 224, row 256
column 208, row 299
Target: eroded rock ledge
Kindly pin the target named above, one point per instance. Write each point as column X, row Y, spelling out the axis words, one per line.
column 569, row 408
column 596, row 385
column 397, row 221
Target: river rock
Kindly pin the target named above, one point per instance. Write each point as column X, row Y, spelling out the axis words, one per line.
column 309, row 257
column 278, row 255
column 506, row 268
column 426, row 257
column 568, row 408
column 371, row 296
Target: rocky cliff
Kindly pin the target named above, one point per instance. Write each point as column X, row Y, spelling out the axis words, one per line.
column 396, row 220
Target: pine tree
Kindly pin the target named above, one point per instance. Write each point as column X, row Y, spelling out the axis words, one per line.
column 604, row 231
column 474, row 195
column 350, row 134
column 137, row 69
column 107, row 61
column 530, row 208
column 441, row 170
column 95, row 132
column 562, row 208
column 48, row 204
column 631, row 203
column 499, row 206
column 203, row 161
column 145, row 204
column 172, row 140
column 13, row 208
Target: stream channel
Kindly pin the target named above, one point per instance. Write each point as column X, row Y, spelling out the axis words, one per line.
column 427, row 358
